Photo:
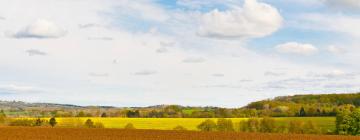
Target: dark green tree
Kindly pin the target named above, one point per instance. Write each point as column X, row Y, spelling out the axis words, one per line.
column 103, row 115
column 302, row 112
column 52, row 122
column 89, row 123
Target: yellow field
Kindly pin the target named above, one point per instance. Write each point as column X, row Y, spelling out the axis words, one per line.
column 140, row 123
column 326, row 123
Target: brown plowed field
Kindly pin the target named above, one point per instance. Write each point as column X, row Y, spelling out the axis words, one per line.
column 22, row 133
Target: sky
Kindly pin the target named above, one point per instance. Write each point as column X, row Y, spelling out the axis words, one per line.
column 224, row 53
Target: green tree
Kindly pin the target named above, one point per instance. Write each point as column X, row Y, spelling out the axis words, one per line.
column 52, row 121
column 348, row 123
column 225, row 125
column 207, row 125
column 81, row 114
column 89, row 123
column 103, row 115
column 302, row 112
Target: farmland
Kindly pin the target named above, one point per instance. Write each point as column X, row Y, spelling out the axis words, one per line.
column 325, row 123
column 26, row 133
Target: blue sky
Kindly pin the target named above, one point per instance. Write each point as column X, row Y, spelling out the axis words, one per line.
column 189, row 52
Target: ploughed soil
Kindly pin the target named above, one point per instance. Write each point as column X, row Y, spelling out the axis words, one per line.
column 40, row 133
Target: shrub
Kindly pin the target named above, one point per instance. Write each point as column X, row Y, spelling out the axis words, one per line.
column 38, row 122
column 348, row 123
column 129, row 126
column 52, row 122
column 179, row 128
column 207, row 125
column 89, row 124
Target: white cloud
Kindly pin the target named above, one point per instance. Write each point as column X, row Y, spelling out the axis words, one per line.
column 253, row 20
column 296, row 48
column 41, row 29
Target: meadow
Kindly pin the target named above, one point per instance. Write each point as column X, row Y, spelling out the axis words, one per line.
column 39, row 133
column 325, row 123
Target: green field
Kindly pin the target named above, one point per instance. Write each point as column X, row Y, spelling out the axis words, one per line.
column 326, row 123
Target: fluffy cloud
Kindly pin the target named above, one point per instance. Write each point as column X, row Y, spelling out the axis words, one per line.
column 253, row 20
column 41, row 29
column 296, row 48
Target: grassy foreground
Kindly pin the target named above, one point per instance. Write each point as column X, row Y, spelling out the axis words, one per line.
column 325, row 123
column 38, row 133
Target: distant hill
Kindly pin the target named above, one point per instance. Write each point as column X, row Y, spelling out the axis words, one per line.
column 284, row 106
column 24, row 105
column 310, row 105
column 311, row 99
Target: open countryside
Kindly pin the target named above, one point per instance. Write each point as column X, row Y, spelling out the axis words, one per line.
column 179, row 70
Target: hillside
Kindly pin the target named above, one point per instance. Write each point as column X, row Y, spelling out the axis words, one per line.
column 309, row 105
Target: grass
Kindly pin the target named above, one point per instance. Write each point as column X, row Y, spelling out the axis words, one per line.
column 325, row 123
column 38, row 133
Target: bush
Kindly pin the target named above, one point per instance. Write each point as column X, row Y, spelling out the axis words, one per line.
column 207, row 125
column 89, row 124
column 52, row 122
column 38, row 122
column 129, row 126
column 348, row 123
column 225, row 125
column 179, row 128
